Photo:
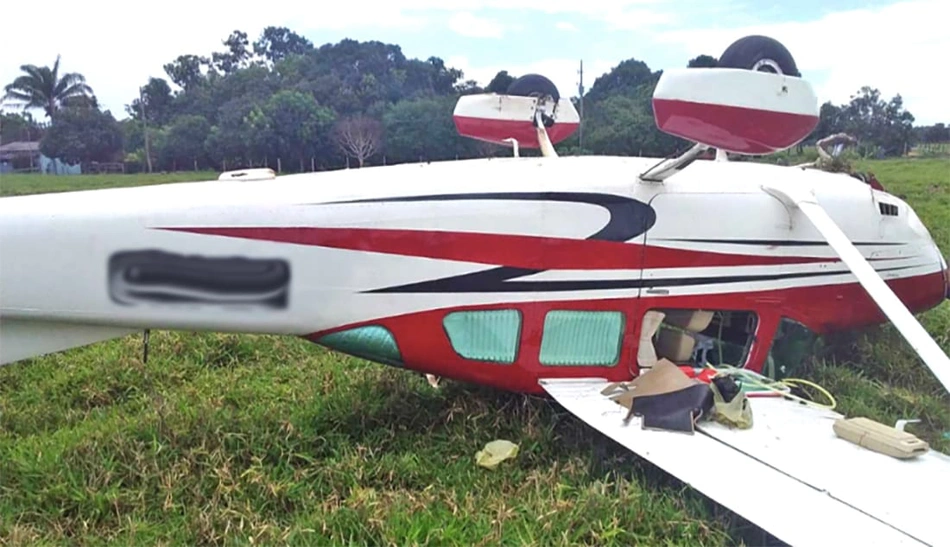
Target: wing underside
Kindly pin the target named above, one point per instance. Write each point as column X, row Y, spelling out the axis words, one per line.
column 789, row 474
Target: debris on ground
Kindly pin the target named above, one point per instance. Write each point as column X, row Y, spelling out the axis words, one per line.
column 496, row 452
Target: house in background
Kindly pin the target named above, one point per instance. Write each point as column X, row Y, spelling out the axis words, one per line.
column 25, row 157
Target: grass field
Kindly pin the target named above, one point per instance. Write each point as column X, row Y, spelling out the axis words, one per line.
column 250, row 439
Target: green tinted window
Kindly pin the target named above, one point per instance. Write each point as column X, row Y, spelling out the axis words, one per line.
column 588, row 338
column 373, row 342
column 490, row 335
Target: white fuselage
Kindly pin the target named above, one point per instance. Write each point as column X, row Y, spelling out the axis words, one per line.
column 55, row 249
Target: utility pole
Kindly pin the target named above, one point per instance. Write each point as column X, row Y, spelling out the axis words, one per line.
column 580, row 91
column 148, row 152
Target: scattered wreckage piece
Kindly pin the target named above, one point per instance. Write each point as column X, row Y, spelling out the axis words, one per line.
column 667, row 398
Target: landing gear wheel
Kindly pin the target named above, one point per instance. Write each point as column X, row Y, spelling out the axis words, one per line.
column 761, row 54
column 535, row 85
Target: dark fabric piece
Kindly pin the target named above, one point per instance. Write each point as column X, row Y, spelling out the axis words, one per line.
column 727, row 387
column 674, row 411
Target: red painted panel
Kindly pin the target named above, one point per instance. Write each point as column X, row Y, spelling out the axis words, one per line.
column 426, row 348
column 736, row 129
column 498, row 130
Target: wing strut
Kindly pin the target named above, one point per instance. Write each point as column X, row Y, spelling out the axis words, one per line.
column 915, row 334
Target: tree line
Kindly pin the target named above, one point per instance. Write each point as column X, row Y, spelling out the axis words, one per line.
column 284, row 103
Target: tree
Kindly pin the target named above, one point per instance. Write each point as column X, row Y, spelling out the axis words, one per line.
column 880, row 126
column 936, row 133
column 624, row 125
column 18, row 127
column 500, row 83
column 237, row 54
column 278, row 43
column 296, row 125
column 703, row 61
column 80, row 135
column 184, row 141
column 358, row 137
column 185, row 71
column 156, row 100
column 423, row 130
column 624, row 79
column 44, row 87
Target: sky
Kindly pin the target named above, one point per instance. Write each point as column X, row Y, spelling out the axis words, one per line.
column 839, row 45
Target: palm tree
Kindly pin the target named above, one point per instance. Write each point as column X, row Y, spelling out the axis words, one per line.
column 42, row 87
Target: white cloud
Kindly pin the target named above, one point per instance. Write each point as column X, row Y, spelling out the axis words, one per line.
column 895, row 48
column 639, row 19
column 566, row 26
column 468, row 24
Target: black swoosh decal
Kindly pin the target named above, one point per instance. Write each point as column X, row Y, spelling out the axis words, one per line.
column 777, row 242
column 629, row 218
column 468, row 283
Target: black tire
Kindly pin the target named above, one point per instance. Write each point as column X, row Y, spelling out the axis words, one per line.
column 759, row 50
column 533, row 85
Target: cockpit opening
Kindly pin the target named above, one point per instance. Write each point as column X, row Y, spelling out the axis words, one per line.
column 697, row 337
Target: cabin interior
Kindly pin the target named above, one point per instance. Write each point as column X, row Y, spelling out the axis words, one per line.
column 696, row 337
column 722, row 337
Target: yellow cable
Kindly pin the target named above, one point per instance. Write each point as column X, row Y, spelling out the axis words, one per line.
column 833, row 403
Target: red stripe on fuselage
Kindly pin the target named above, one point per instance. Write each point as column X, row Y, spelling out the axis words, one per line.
column 518, row 251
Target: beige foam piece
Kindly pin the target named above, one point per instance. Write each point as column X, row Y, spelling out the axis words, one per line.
column 880, row 438
column 677, row 346
column 665, row 377
column 646, row 353
column 691, row 320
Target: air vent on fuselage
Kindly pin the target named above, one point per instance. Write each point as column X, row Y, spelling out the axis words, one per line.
column 888, row 209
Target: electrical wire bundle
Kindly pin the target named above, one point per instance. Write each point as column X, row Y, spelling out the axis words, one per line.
column 755, row 384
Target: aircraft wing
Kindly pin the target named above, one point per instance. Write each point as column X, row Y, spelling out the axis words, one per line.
column 915, row 334
column 789, row 474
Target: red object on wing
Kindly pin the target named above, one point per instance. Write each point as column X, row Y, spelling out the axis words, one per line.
column 703, row 375
column 734, row 128
column 495, row 130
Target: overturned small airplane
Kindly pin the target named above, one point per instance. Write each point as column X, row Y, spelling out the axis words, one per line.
column 566, row 276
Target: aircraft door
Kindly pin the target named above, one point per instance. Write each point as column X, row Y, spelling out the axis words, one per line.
column 708, row 263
